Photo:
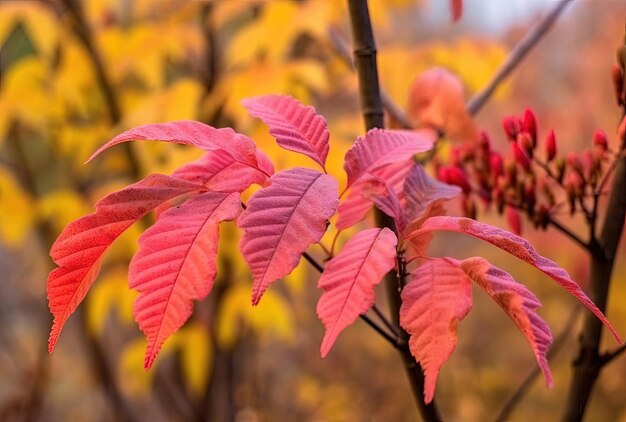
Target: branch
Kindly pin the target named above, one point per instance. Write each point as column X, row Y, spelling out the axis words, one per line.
column 83, row 32
column 516, row 56
column 342, row 48
column 371, row 105
column 567, row 232
column 589, row 362
column 608, row 357
column 561, row 339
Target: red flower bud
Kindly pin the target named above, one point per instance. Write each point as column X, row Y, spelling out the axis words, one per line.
column 574, row 162
column 588, row 163
column 618, row 84
column 454, row 176
column 573, row 183
column 520, row 156
column 529, row 125
column 512, row 126
column 496, row 165
column 525, row 143
column 514, row 220
column 600, row 140
column 550, row 146
column 485, row 142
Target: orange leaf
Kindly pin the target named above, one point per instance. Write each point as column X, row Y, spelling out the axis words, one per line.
column 436, row 100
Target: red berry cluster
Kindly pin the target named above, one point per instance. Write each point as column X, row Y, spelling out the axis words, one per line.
column 531, row 177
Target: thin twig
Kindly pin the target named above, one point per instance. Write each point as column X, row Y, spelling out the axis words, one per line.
column 393, row 341
column 609, row 356
column 573, row 236
column 384, row 319
column 313, row 262
column 516, row 56
column 561, row 339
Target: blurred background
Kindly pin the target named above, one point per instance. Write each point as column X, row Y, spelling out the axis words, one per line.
column 73, row 74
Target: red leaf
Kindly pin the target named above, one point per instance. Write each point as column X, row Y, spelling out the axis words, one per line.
column 380, row 147
column 175, row 265
column 282, row 220
column 516, row 246
column 218, row 171
column 354, row 208
column 456, row 9
column 514, row 220
column 79, row 249
column 296, row 127
column 437, row 296
column 349, row 280
column 189, row 132
column 408, row 188
column 422, row 194
column 517, row 302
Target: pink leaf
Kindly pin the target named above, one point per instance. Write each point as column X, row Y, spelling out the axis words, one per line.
column 422, row 194
column 176, row 264
column 218, row 171
column 516, row 246
column 437, row 296
column 380, row 147
column 517, row 302
column 456, row 8
column 355, row 207
column 79, row 250
column 349, row 280
column 282, row 220
column 189, row 132
column 296, row 127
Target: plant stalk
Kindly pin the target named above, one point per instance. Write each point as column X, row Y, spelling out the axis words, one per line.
column 589, row 361
column 372, row 109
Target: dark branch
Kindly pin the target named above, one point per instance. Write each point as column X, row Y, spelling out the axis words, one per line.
column 608, row 357
column 371, row 104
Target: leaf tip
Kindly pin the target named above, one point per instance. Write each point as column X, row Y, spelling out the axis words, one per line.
column 55, row 332
column 327, row 344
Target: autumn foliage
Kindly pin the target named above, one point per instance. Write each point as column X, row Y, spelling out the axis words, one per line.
column 176, row 261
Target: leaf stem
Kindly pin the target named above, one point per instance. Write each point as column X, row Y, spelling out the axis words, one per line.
column 385, row 320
